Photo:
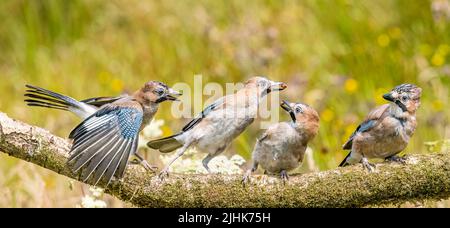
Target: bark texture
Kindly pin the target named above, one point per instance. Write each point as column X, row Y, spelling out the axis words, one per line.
column 423, row 177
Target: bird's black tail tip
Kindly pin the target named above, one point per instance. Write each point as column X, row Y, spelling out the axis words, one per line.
column 344, row 162
column 39, row 97
column 165, row 145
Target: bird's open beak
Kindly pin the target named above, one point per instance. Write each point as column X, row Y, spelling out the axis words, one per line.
column 287, row 106
column 277, row 86
column 172, row 95
column 389, row 97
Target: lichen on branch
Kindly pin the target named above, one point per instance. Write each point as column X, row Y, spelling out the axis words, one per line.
column 424, row 176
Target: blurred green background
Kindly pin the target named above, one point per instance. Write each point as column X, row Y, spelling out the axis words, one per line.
column 338, row 56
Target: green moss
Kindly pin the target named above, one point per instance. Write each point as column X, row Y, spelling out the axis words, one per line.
column 424, row 177
column 350, row 187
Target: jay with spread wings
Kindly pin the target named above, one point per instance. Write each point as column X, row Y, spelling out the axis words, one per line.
column 108, row 135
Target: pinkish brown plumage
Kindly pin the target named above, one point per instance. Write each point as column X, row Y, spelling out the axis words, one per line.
column 108, row 135
column 219, row 123
column 387, row 129
column 282, row 146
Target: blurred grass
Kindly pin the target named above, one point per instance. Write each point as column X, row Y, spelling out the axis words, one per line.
column 338, row 56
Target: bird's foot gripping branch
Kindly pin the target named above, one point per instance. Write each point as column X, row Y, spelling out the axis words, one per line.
column 421, row 177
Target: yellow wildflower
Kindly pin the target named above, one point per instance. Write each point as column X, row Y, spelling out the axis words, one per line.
column 327, row 115
column 383, row 40
column 117, row 85
column 437, row 59
column 351, row 85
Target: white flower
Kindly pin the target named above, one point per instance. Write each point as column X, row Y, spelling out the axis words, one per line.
column 237, row 159
column 93, row 200
column 151, row 131
column 90, row 202
column 191, row 162
column 96, row 192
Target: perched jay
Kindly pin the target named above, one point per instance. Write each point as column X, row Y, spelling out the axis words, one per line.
column 219, row 123
column 282, row 146
column 108, row 135
column 387, row 129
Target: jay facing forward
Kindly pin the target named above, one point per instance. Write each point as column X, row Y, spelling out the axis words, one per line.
column 386, row 130
column 282, row 146
column 219, row 123
column 109, row 133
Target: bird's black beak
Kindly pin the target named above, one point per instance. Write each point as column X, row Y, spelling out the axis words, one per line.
column 172, row 95
column 287, row 107
column 389, row 97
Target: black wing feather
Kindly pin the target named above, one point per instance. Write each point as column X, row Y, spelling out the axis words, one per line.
column 169, row 144
column 123, row 163
column 51, row 98
column 99, row 160
column 104, row 142
column 115, row 162
column 202, row 115
column 108, row 162
column 100, row 101
column 99, row 143
column 365, row 126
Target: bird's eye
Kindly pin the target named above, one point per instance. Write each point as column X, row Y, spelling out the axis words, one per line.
column 262, row 84
column 404, row 98
column 298, row 109
column 159, row 91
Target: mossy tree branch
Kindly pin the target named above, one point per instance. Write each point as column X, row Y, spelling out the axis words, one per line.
column 423, row 177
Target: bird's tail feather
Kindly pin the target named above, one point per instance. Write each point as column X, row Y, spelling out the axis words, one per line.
column 165, row 145
column 40, row 97
column 344, row 162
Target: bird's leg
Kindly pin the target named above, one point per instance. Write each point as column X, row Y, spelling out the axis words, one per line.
column 248, row 173
column 367, row 165
column 140, row 160
column 210, row 156
column 284, row 176
column 165, row 172
column 395, row 158
column 205, row 162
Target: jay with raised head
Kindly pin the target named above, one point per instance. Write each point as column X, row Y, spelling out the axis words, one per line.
column 282, row 146
column 386, row 130
column 219, row 123
column 109, row 133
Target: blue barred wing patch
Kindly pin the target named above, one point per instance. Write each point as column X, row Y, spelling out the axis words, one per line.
column 130, row 121
column 103, row 143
